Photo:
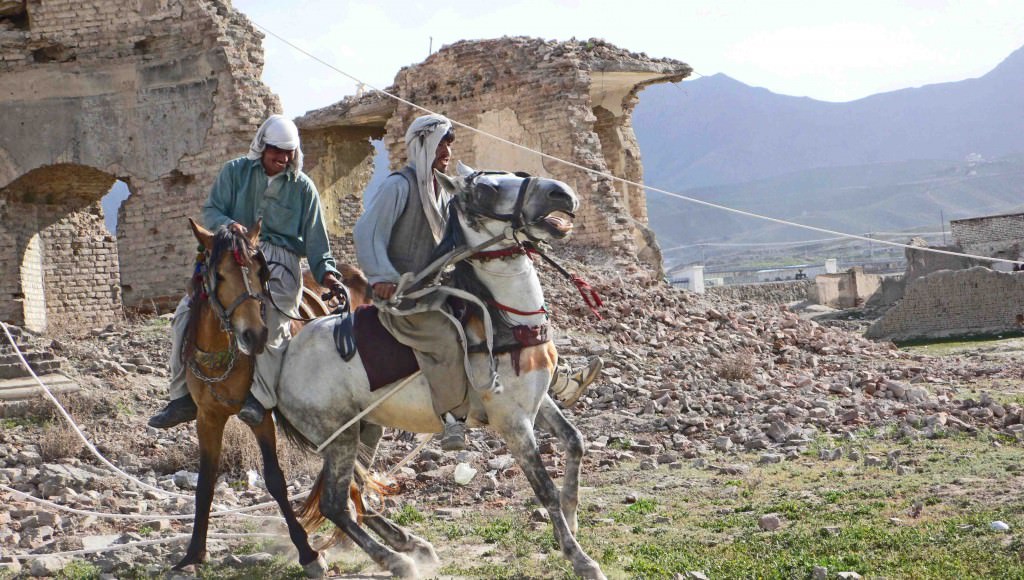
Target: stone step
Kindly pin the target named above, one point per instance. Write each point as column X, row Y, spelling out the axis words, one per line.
column 25, row 388
column 11, row 371
column 31, row 356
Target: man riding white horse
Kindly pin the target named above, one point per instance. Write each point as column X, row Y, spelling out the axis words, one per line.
column 397, row 234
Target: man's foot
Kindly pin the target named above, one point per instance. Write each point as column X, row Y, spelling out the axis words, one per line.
column 252, row 412
column 568, row 388
column 178, row 411
column 454, row 436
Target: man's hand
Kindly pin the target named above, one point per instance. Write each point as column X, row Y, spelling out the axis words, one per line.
column 337, row 289
column 239, row 229
column 384, row 290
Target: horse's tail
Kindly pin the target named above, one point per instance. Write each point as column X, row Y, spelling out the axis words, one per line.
column 309, row 514
column 311, row 518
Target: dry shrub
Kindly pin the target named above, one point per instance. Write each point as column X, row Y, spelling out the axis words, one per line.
column 241, row 453
column 174, row 459
column 737, row 367
column 59, row 441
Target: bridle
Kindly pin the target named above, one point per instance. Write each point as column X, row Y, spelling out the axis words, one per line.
column 210, row 287
column 518, row 224
column 206, row 275
column 474, row 206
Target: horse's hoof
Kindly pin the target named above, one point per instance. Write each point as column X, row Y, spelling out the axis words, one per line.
column 402, row 566
column 317, row 568
column 589, row 570
column 424, row 554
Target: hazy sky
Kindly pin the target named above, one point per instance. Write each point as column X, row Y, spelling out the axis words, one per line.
column 825, row 49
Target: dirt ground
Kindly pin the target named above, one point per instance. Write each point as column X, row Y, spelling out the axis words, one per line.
column 725, row 440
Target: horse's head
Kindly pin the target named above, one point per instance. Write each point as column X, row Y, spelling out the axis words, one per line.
column 234, row 281
column 491, row 201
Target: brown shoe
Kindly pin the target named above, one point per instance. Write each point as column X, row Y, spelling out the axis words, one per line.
column 568, row 388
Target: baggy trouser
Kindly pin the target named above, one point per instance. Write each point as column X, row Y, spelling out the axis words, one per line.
column 286, row 287
column 439, row 352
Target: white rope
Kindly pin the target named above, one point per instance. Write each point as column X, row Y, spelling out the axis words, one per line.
column 149, row 516
column 626, row 181
column 363, row 413
column 92, row 449
column 114, row 547
column 424, row 439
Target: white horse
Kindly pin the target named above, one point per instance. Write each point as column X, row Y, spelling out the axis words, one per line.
column 320, row 392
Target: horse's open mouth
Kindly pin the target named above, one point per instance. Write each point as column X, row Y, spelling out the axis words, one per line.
column 558, row 223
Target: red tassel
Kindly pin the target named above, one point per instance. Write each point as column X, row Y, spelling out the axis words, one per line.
column 589, row 295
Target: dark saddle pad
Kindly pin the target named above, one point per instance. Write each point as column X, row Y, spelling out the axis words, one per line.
column 385, row 359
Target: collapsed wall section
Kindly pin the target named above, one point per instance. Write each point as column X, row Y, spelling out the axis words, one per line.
column 571, row 100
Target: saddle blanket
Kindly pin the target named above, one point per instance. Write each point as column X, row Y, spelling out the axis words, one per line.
column 385, row 359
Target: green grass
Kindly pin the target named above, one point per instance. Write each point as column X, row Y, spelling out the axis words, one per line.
column 79, row 570
column 932, row 523
column 407, row 514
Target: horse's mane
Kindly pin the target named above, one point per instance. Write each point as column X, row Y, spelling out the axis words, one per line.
column 224, row 240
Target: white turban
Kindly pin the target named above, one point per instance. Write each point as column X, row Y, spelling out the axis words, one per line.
column 424, row 135
column 281, row 133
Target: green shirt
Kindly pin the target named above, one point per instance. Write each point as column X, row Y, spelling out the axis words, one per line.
column 291, row 211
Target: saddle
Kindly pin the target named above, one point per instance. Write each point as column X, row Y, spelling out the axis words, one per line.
column 385, row 359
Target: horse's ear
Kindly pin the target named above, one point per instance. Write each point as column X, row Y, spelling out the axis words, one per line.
column 447, row 183
column 202, row 234
column 463, row 170
column 254, row 232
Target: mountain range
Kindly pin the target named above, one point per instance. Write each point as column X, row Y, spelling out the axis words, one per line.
column 893, row 161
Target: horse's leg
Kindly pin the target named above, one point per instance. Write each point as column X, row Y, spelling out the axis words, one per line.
column 210, row 430
column 312, row 562
column 517, row 430
column 339, row 458
column 552, row 418
column 401, row 539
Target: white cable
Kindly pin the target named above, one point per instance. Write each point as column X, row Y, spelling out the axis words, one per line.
column 150, row 516
column 626, row 181
column 98, row 455
column 114, row 547
column 363, row 413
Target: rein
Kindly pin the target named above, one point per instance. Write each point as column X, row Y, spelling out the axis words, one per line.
column 589, row 295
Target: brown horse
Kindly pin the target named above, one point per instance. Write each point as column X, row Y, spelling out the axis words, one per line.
column 226, row 331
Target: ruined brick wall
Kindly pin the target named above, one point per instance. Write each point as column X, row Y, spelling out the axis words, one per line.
column 572, row 100
column 998, row 236
column 156, row 93
column 766, row 293
column 955, row 303
column 340, row 163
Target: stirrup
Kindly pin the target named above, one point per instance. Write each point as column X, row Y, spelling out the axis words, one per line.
column 569, row 388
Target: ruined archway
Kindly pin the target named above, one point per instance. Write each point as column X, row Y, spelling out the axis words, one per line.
column 61, row 262
column 158, row 94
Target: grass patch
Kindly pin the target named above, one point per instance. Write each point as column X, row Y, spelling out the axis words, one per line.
column 79, row 570
column 407, row 514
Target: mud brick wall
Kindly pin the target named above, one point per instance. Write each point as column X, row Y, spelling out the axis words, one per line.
column 766, row 293
column 955, row 303
column 1000, row 236
column 156, row 93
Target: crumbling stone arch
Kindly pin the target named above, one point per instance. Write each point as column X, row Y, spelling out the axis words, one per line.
column 156, row 93
column 61, row 262
column 572, row 100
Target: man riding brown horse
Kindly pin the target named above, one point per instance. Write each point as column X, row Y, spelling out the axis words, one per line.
column 267, row 183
